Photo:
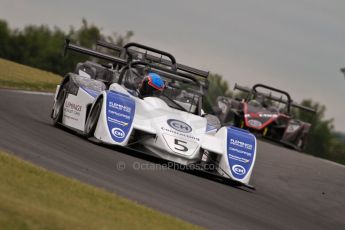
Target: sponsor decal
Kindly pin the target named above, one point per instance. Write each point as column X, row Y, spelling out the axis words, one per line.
column 70, row 117
column 254, row 123
column 238, row 169
column 179, row 126
column 122, row 115
column 240, row 151
column 120, row 107
column 117, row 132
column 175, row 133
column 113, row 120
column 262, row 115
column 73, row 109
column 71, row 105
column 241, row 159
column 241, row 144
column 269, row 115
column 120, row 110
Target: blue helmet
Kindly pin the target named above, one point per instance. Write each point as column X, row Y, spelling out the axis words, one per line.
column 151, row 84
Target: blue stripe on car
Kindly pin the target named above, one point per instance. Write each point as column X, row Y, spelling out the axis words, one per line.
column 241, row 147
column 91, row 92
column 120, row 110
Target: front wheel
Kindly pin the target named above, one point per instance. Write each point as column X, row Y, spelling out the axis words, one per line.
column 57, row 111
column 92, row 120
column 300, row 144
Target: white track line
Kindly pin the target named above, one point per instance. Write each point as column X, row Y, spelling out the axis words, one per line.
column 330, row 162
column 28, row 92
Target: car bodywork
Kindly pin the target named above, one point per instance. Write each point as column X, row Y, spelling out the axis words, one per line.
column 266, row 114
column 101, row 102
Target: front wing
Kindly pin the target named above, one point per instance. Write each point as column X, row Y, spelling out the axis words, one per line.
column 236, row 150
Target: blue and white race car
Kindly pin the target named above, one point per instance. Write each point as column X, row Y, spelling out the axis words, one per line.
column 153, row 103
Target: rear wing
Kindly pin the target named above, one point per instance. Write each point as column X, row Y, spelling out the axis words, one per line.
column 93, row 53
column 171, row 73
column 289, row 101
column 170, row 62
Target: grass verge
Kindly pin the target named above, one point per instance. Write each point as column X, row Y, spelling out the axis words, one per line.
column 34, row 198
column 17, row 76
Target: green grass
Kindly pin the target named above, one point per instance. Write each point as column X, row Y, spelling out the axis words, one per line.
column 17, row 76
column 33, row 198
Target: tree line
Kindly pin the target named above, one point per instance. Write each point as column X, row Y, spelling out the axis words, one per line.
column 41, row 47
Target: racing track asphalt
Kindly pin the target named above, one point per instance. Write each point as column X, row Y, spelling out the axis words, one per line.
column 294, row 190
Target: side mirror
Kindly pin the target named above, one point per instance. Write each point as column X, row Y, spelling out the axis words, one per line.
column 213, row 121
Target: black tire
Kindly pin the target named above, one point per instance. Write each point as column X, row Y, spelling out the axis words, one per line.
column 300, row 144
column 92, row 119
column 57, row 111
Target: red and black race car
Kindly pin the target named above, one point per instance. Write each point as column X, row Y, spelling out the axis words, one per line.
column 263, row 112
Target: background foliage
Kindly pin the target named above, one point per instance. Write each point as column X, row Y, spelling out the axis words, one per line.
column 42, row 47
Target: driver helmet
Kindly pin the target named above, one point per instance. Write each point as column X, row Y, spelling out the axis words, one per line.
column 261, row 99
column 152, row 84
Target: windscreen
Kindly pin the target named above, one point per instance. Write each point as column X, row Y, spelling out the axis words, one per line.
column 176, row 94
column 180, row 96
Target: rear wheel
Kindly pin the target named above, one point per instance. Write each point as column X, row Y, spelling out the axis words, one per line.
column 92, row 120
column 57, row 111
